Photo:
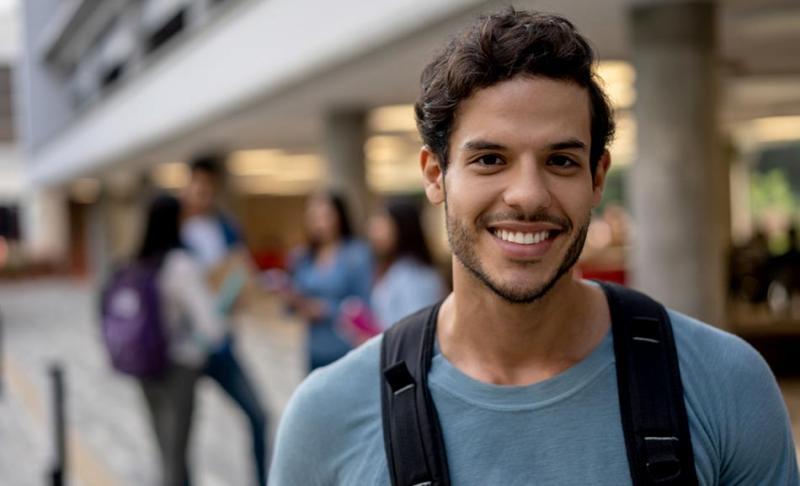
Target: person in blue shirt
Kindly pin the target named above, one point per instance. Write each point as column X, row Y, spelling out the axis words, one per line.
column 406, row 280
column 213, row 239
column 515, row 127
column 333, row 267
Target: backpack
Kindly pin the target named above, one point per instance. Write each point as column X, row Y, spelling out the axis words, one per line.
column 654, row 419
column 131, row 321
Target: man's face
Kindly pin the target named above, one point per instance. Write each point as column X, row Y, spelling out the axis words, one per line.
column 199, row 194
column 518, row 190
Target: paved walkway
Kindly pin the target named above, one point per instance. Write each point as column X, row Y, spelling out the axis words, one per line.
column 51, row 321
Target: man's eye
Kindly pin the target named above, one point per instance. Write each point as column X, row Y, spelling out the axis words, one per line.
column 562, row 161
column 489, row 160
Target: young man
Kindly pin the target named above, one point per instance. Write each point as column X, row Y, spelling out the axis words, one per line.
column 523, row 376
column 215, row 243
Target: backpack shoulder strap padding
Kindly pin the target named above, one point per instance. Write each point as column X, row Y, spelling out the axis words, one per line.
column 652, row 406
column 412, row 435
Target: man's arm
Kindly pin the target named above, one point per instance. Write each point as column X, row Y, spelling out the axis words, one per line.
column 757, row 443
column 305, row 439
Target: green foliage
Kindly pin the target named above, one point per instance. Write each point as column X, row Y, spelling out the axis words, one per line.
column 771, row 191
column 614, row 192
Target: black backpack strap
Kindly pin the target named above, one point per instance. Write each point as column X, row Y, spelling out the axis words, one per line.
column 412, row 435
column 651, row 400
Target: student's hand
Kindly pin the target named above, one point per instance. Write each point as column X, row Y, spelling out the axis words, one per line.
column 311, row 309
column 307, row 307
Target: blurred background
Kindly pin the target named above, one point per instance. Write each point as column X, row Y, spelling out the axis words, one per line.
column 103, row 104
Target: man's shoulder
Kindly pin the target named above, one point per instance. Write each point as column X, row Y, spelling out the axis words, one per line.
column 714, row 348
column 718, row 368
column 736, row 411
column 348, row 386
column 332, row 418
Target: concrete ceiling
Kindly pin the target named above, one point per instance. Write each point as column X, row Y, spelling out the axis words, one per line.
column 760, row 73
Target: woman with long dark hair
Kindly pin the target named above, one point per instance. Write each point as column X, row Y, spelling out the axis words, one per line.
column 333, row 267
column 406, row 280
column 192, row 328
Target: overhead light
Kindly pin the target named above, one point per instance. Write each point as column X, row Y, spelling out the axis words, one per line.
column 249, row 162
column 393, row 118
column 776, row 129
column 273, row 171
column 618, row 82
column 171, row 175
column 387, row 148
column 268, row 185
column 623, row 147
column 402, row 176
column 276, row 163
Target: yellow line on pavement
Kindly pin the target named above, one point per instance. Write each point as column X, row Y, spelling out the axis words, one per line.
column 80, row 461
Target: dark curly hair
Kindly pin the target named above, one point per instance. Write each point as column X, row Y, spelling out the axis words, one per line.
column 496, row 48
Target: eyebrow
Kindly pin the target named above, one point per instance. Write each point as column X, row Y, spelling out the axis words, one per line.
column 483, row 145
column 570, row 143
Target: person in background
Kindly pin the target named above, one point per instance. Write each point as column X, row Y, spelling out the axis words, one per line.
column 192, row 327
column 334, row 266
column 406, row 280
column 214, row 241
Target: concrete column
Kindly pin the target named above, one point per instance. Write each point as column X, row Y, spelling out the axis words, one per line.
column 345, row 134
column 98, row 245
column 124, row 213
column 45, row 225
column 677, row 182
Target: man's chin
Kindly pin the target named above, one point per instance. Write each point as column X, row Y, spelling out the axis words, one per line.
column 523, row 294
column 524, row 290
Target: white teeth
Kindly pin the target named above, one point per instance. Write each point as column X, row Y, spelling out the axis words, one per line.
column 522, row 238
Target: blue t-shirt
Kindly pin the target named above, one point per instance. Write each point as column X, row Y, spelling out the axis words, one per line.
column 563, row 431
column 349, row 274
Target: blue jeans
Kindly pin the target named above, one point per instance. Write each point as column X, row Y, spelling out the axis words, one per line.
column 224, row 368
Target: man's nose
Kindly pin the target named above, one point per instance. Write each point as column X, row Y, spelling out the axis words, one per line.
column 528, row 190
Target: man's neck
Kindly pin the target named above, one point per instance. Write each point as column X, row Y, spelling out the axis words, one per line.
column 495, row 341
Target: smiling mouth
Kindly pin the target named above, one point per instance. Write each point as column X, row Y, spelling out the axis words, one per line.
column 523, row 238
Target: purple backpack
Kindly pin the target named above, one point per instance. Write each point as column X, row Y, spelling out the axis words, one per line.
column 131, row 317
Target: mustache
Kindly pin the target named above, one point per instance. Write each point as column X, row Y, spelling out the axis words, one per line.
column 541, row 217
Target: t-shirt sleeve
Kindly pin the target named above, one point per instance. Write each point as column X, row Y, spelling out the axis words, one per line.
column 304, row 439
column 757, row 447
column 331, row 422
column 297, row 444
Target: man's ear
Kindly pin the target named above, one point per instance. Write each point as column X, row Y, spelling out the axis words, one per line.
column 599, row 181
column 432, row 175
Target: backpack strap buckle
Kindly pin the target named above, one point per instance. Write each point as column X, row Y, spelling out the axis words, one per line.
column 663, row 463
column 399, row 378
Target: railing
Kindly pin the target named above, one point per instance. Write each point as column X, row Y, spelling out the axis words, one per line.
column 58, row 471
